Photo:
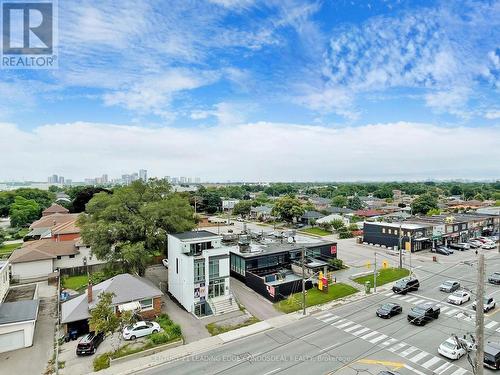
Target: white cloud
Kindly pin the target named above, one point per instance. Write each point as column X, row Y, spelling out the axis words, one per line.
column 225, row 113
column 253, row 151
column 492, row 115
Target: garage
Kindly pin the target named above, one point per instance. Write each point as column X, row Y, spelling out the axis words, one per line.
column 17, row 324
column 11, row 341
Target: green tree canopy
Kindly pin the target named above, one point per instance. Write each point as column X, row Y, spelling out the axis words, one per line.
column 23, row 211
column 288, row 208
column 355, row 203
column 242, row 208
column 102, row 316
column 424, row 203
column 132, row 224
column 339, row 201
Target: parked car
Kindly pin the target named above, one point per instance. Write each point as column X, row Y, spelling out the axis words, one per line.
column 494, row 278
column 165, row 262
column 449, row 286
column 388, row 310
column 89, row 343
column 455, row 350
column 461, row 246
column 406, row 285
column 489, row 304
column 489, row 246
column 459, row 297
column 492, row 355
column 422, row 314
column 140, row 329
column 443, row 250
column 388, row 372
column 474, row 244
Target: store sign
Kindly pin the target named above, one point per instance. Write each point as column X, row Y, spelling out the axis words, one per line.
column 333, row 249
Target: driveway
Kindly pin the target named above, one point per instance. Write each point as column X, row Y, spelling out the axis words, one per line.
column 256, row 305
column 33, row 360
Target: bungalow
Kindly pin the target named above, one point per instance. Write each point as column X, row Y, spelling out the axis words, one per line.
column 42, row 228
column 368, row 213
column 310, row 216
column 37, row 260
column 131, row 293
column 55, row 209
column 261, row 212
column 330, row 218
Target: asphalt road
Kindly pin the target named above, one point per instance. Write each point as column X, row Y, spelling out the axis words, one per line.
column 350, row 339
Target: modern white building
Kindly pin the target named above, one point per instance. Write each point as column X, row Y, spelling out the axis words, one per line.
column 228, row 204
column 198, row 273
column 4, row 279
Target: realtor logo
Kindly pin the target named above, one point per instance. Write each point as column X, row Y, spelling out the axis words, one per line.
column 28, row 34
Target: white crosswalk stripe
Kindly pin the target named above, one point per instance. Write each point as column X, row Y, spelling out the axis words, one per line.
column 388, row 342
column 389, row 294
column 397, row 347
column 330, row 318
column 321, row 317
column 444, row 367
column 406, row 298
column 419, row 356
column 460, row 371
column 343, row 325
column 377, row 339
column 452, row 311
column 373, row 333
column 408, row 351
column 431, row 362
column 444, row 308
column 411, row 299
column 352, row 328
column 419, row 301
column 397, row 296
column 361, row 331
column 338, row 322
column 491, row 325
column 497, row 330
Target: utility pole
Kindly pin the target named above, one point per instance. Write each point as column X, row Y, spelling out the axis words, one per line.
column 480, row 317
column 375, row 275
column 303, row 284
column 400, row 246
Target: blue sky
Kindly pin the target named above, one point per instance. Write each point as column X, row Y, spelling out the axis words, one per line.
column 349, row 82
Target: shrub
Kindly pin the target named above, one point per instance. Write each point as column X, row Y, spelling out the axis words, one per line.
column 337, row 264
column 101, row 362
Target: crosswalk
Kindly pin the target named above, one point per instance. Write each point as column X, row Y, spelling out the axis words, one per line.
column 428, row 361
column 448, row 310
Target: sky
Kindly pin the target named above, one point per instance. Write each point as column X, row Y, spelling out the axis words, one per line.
column 249, row 90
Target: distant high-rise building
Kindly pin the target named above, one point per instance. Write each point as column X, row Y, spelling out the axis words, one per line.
column 61, row 180
column 197, row 180
column 134, row 177
column 173, row 181
column 104, row 178
column 54, row 179
column 68, row 182
column 143, row 175
column 189, row 180
column 183, row 180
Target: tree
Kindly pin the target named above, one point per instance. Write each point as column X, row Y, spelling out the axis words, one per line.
column 423, row 203
column 131, row 225
column 479, row 197
column 261, row 199
column 242, row 208
column 355, row 203
column 102, row 316
column 23, row 211
column 288, row 208
column 83, row 196
column 339, row 201
column 337, row 224
column 2, row 236
column 434, row 211
column 456, row 190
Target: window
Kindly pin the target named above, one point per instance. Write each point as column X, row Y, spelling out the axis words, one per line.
column 213, row 268
column 146, row 304
column 199, row 270
column 72, row 256
column 176, row 265
column 59, row 257
column 383, row 230
column 197, row 248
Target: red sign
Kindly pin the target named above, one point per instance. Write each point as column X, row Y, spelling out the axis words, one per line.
column 333, row 249
column 270, row 290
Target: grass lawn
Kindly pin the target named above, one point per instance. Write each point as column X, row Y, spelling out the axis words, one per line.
column 8, row 249
column 317, row 231
column 384, row 276
column 75, row 282
column 215, row 329
column 314, row 297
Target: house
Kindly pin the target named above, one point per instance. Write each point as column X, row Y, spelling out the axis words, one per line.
column 55, row 209
column 37, row 260
column 42, row 228
column 63, row 197
column 368, row 213
column 228, row 204
column 310, row 216
column 320, row 203
column 17, row 324
column 4, row 279
column 131, row 293
column 339, row 210
column 410, row 236
column 332, row 217
column 198, row 273
column 261, row 212
column 65, row 231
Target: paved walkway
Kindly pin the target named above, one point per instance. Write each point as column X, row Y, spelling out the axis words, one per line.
column 256, row 305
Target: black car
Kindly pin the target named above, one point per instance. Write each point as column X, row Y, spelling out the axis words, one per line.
column 492, row 355
column 422, row 314
column 89, row 343
column 406, row 285
column 494, row 278
column 462, row 246
column 443, row 250
column 388, row 310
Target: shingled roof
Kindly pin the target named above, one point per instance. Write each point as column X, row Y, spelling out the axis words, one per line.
column 42, row 250
column 55, row 209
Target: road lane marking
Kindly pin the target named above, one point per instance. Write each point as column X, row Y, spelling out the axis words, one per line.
column 344, row 324
column 377, row 339
column 373, row 333
column 419, row 301
column 431, row 362
column 451, row 312
column 491, row 325
column 272, row 371
column 414, row 370
column 460, row 371
column 338, row 322
column 443, row 368
column 397, row 347
column 361, row 331
column 320, row 317
column 394, row 365
column 444, row 308
column 419, row 356
column 330, row 318
column 498, row 329
column 389, row 294
column 388, row 342
column 397, row 296
column 331, row 347
column 411, row 299
column 352, row 328
column 408, row 351
column 406, row 298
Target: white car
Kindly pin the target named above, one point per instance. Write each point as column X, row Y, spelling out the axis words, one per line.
column 459, row 297
column 450, row 348
column 165, row 262
column 488, row 304
column 140, row 329
column 489, row 245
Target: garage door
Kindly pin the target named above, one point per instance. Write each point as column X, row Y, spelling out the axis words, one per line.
column 11, row 341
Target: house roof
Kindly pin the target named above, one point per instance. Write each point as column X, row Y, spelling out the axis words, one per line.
column 55, row 208
column 330, row 218
column 368, row 213
column 53, row 220
column 19, row 311
column 262, row 209
column 66, row 228
column 193, row 235
column 312, row 215
column 43, row 249
column 126, row 288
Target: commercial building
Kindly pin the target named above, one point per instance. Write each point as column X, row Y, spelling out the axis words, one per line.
column 410, row 236
column 198, row 273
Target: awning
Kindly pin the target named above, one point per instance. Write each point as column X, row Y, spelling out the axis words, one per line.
column 130, row 306
column 422, row 239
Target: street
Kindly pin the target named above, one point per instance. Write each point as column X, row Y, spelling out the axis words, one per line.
column 351, row 338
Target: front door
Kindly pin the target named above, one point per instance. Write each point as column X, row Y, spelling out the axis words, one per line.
column 216, row 288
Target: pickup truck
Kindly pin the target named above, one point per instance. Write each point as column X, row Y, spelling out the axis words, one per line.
column 422, row 314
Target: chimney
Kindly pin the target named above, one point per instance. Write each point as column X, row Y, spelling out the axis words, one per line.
column 89, row 292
